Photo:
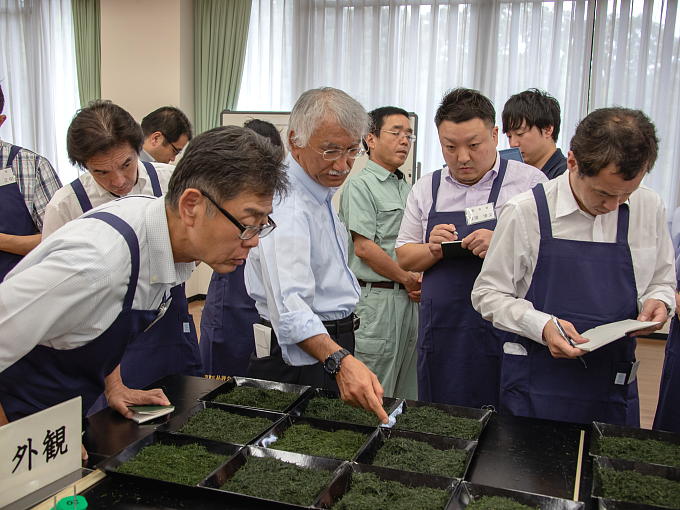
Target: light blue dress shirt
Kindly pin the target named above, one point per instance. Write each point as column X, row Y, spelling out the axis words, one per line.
column 298, row 275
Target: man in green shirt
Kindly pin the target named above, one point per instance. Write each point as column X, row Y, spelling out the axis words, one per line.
column 371, row 206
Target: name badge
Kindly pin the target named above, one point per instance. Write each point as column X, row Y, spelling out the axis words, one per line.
column 479, row 213
column 7, row 177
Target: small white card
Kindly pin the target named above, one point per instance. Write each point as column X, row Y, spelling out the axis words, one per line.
column 263, row 340
column 479, row 213
column 142, row 414
column 7, row 177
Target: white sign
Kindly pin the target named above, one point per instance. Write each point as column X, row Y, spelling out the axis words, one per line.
column 39, row 449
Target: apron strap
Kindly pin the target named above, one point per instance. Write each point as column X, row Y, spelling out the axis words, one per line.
column 543, row 211
column 153, row 177
column 622, row 224
column 498, row 182
column 436, row 181
column 13, row 151
column 81, row 195
column 133, row 244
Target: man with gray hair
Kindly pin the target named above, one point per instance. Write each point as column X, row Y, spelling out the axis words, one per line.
column 303, row 288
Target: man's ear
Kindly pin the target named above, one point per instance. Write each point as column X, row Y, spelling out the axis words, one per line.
column 3, row 118
column 370, row 141
column 191, row 206
column 156, row 139
column 547, row 132
column 572, row 165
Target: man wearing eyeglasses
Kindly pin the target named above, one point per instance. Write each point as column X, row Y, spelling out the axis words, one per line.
column 371, row 206
column 299, row 278
column 166, row 131
column 70, row 308
column 104, row 139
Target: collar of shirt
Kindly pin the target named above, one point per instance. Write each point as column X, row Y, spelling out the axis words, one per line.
column 162, row 266
column 381, row 173
column 482, row 183
column 145, row 156
column 319, row 192
column 99, row 195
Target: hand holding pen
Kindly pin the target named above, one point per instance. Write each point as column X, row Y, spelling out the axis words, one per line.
column 562, row 339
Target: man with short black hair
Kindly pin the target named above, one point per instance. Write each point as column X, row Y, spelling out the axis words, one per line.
column 166, row 131
column 531, row 121
column 27, row 183
column 371, row 207
column 588, row 248
column 458, row 351
column 102, row 278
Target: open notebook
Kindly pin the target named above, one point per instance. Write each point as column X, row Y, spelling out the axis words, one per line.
column 607, row 333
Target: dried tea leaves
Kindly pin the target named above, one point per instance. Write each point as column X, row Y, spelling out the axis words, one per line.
column 336, row 410
column 420, row 457
column 302, row 438
column 258, row 397
column 497, row 503
column 435, row 421
column 224, row 426
column 644, row 450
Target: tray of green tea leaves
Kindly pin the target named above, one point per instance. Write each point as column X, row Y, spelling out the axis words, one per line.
column 419, row 453
column 170, row 458
column 318, row 438
column 270, row 475
column 635, row 445
column 622, row 485
column 219, row 422
column 327, row 405
column 359, row 487
column 442, row 419
column 257, row 394
column 472, row 496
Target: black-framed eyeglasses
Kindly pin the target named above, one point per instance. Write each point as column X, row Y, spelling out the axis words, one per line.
column 247, row 231
column 175, row 149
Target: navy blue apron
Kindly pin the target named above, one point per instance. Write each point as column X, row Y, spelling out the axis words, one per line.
column 227, row 320
column 45, row 376
column 15, row 219
column 458, row 351
column 668, row 409
column 588, row 284
column 171, row 346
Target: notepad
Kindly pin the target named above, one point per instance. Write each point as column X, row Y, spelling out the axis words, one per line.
column 607, row 333
column 143, row 414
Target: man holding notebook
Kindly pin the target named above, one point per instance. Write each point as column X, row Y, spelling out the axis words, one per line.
column 588, row 248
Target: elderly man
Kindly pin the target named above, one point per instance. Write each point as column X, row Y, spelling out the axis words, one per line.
column 103, row 278
column 299, row 277
column 105, row 140
column 166, row 132
column 588, row 248
column 458, row 351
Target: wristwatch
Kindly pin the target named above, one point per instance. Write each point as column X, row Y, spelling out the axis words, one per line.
column 332, row 363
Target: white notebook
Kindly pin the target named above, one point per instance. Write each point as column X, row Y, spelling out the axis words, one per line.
column 607, row 333
column 143, row 414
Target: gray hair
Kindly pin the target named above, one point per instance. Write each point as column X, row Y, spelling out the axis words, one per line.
column 316, row 105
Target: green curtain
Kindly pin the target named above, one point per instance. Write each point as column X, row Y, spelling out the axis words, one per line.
column 220, row 36
column 86, row 25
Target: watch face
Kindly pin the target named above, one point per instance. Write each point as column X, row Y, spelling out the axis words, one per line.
column 331, row 365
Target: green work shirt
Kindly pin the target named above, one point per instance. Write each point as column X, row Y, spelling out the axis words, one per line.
column 372, row 205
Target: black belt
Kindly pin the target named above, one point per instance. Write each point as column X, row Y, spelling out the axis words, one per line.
column 381, row 285
column 346, row 325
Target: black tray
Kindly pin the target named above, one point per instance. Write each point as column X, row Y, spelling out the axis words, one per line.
column 224, row 473
column 621, row 465
column 257, row 383
column 279, row 430
column 481, row 415
column 390, row 404
column 178, row 422
column 110, row 465
column 467, row 491
column 368, row 453
column 341, row 483
column 605, row 429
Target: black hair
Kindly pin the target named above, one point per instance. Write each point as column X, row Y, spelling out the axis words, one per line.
column 168, row 120
column 266, row 129
column 532, row 107
column 461, row 105
column 2, row 100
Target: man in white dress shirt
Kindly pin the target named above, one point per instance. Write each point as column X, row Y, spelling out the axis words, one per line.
column 589, row 247
column 68, row 309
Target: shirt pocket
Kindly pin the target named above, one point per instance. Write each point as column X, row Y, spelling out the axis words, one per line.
column 388, row 220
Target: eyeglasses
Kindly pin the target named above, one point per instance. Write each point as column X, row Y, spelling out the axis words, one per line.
column 247, row 231
column 335, row 154
column 409, row 136
column 175, row 149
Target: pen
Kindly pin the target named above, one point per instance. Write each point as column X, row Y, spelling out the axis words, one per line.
column 567, row 338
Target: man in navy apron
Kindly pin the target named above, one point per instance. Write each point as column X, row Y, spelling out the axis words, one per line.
column 458, row 351
column 27, row 182
column 104, row 139
column 74, row 303
column 588, row 248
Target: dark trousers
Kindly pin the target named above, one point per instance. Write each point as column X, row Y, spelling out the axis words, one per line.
column 273, row 368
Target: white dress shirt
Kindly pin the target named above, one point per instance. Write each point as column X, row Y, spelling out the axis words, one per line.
column 298, row 275
column 506, row 275
column 455, row 196
column 65, row 207
column 70, row 288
